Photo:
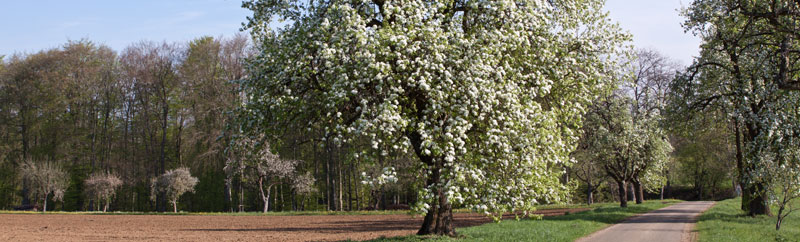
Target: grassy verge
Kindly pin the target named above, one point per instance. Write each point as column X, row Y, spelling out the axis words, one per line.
column 557, row 228
column 726, row 222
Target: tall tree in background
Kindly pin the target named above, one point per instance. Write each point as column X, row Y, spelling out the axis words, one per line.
column 487, row 95
column 625, row 149
column 648, row 89
column 90, row 109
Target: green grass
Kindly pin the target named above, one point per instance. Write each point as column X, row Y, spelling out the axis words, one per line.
column 726, row 222
column 557, row 228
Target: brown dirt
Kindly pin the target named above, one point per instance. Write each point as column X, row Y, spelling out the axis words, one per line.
column 64, row 227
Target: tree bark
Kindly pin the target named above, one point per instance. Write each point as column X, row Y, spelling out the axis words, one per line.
column 631, row 193
column 175, row 206
column 589, row 194
column 623, row 194
column 758, row 203
column 444, row 223
column 263, row 196
column 637, row 188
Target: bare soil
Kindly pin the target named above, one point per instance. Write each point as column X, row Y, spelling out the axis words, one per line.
column 68, row 227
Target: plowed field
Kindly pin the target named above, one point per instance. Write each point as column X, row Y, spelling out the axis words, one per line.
column 73, row 227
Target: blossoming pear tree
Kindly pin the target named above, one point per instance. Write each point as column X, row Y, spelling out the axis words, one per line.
column 488, row 95
column 748, row 67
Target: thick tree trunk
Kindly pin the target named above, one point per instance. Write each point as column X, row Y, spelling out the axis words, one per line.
column 758, row 203
column 444, row 223
column 637, row 188
column 439, row 218
column 745, row 206
column 589, row 194
column 623, row 194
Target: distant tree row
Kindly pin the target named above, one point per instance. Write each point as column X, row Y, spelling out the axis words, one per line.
column 98, row 125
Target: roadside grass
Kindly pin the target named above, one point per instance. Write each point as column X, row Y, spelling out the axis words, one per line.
column 282, row 213
column 557, row 228
column 726, row 222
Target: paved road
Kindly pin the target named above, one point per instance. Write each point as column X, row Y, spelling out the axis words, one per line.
column 669, row 224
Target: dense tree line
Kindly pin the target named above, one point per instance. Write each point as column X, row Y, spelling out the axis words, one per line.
column 136, row 113
column 100, row 116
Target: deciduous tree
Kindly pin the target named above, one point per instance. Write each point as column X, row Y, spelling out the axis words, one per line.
column 172, row 184
column 43, row 179
column 487, row 94
column 102, row 186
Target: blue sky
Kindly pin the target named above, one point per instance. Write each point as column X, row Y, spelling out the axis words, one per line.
column 656, row 24
column 29, row 26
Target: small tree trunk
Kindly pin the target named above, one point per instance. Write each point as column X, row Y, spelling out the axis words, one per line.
column 623, row 194
column 662, row 192
column 44, row 208
column 105, row 208
column 637, row 188
column 780, row 218
column 266, row 199
column 263, row 197
column 631, row 194
column 589, row 197
column 175, row 206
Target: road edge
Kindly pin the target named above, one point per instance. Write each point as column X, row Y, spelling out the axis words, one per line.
column 585, row 238
column 689, row 233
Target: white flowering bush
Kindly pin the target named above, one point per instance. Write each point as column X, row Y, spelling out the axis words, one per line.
column 43, row 179
column 487, row 94
column 172, row 184
column 102, row 187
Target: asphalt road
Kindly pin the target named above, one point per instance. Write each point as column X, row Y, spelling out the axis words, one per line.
column 669, row 224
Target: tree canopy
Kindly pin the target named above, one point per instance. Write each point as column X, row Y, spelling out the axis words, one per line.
column 487, row 94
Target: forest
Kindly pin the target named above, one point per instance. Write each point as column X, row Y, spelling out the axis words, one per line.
column 349, row 108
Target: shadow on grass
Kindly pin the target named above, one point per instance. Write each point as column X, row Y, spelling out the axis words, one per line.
column 603, row 215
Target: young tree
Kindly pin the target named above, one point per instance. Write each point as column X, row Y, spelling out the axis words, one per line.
column 43, row 179
column 172, row 184
column 271, row 169
column 102, row 186
column 487, row 95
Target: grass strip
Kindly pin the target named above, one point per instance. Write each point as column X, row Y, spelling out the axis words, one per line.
column 557, row 228
column 727, row 222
